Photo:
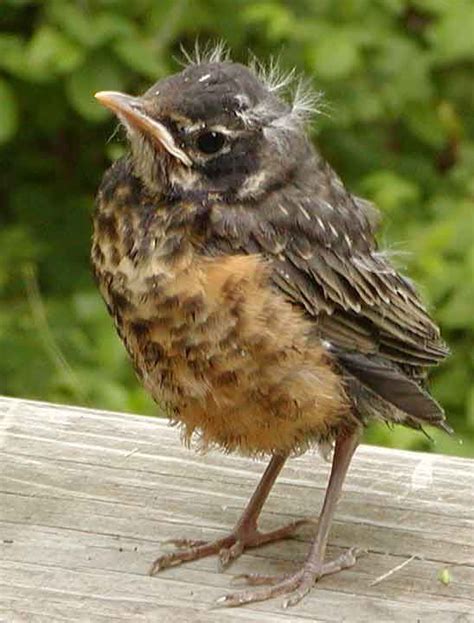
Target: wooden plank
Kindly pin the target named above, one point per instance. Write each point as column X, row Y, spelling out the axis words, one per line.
column 87, row 497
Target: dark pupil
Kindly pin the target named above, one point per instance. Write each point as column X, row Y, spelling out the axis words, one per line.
column 210, row 142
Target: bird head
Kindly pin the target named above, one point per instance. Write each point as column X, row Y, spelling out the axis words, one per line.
column 216, row 127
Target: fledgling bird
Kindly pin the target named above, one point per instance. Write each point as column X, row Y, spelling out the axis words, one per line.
column 246, row 284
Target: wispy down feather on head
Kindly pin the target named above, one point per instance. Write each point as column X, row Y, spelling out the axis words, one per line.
column 295, row 89
column 291, row 86
column 217, row 125
column 204, row 54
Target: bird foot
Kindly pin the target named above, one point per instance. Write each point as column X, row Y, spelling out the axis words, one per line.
column 227, row 549
column 298, row 583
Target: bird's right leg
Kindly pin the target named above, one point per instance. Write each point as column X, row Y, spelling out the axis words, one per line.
column 245, row 533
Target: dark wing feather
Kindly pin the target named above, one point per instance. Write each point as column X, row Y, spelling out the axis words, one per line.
column 394, row 386
column 320, row 240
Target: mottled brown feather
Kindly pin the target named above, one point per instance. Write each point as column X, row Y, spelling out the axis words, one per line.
column 233, row 361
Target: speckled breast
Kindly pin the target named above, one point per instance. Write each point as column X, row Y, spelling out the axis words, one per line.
column 230, row 358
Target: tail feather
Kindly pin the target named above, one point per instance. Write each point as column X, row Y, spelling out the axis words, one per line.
column 390, row 383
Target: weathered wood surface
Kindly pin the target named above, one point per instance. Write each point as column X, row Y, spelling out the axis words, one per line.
column 88, row 496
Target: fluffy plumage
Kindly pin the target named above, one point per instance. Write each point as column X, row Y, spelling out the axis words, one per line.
column 246, row 283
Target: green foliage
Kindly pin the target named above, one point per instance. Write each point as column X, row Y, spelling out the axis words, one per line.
column 397, row 125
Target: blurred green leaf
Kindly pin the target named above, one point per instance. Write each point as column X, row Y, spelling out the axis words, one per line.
column 390, row 191
column 403, row 72
column 140, row 55
column 8, row 112
column 470, row 408
column 425, row 122
column 452, row 36
column 99, row 73
column 434, row 6
column 11, row 53
column 88, row 27
column 50, row 52
column 275, row 18
column 335, row 55
column 115, row 151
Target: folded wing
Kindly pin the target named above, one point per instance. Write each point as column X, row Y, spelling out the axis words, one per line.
column 324, row 258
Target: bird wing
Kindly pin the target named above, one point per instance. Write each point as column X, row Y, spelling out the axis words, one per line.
column 324, row 258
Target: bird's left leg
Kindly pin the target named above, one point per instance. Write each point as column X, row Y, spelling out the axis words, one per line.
column 245, row 533
column 300, row 582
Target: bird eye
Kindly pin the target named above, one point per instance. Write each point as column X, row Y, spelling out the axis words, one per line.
column 210, row 142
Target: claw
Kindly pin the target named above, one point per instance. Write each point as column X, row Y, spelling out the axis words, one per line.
column 223, row 559
column 221, row 602
column 234, row 599
column 298, row 595
column 164, row 562
column 298, row 583
column 227, row 555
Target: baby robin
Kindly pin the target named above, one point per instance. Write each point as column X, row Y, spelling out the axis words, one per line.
column 247, row 286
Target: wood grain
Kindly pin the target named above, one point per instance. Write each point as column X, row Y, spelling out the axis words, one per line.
column 87, row 497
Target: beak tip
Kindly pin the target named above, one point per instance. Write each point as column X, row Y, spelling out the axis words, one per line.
column 101, row 96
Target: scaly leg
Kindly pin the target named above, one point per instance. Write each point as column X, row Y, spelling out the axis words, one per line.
column 244, row 535
column 301, row 581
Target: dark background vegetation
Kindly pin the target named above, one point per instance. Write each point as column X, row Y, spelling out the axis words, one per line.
column 399, row 89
